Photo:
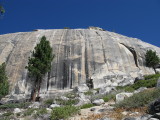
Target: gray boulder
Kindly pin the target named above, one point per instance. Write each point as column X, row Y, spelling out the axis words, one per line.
column 121, row 96
column 17, row 110
column 158, row 82
column 98, row 102
column 54, row 105
column 82, row 88
column 140, row 89
column 106, row 90
column 34, row 105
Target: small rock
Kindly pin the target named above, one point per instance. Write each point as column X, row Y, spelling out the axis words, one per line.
column 158, row 82
column 98, row 102
column 54, row 105
column 140, row 89
column 82, row 88
column 105, row 90
column 34, row 105
column 121, row 96
column 154, row 107
column 124, row 113
column 135, row 113
column 64, row 98
column 92, row 109
column 153, row 119
column 17, row 110
column 101, row 110
column 49, row 110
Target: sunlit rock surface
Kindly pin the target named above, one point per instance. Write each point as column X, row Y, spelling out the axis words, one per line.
column 106, row 58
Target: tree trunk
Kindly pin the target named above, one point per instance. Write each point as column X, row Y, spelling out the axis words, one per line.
column 155, row 70
column 33, row 94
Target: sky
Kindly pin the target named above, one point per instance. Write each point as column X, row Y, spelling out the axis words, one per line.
column 132, row 18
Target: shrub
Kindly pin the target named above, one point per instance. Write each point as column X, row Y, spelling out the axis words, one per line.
column 67, row 102
column 29, row 111
column 49, row 101
column 109, row 97
column 8, row 114
column 140, row 99
column 14, row 105
column 87, row 106
column 88, row 93
column 63, row 112
column 4, row 85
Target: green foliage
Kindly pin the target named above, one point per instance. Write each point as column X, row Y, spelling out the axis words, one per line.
column 29, row 111
column 63, row 112
column 49, row 101
column 4, row 85
column 109, row 97
column 140, row 99
column 149, row 82
column 8, row 114
column 88, row 93
column 152, row 59
column 71, row 95
column 40, row 62
column 14, row 105
column 67, row 102
column 2, row 10
column 89, row 105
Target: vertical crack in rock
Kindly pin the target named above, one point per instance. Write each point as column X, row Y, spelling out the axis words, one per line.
column 133, row 53
column 93, row 59
column 86, row 61
column 105, row 60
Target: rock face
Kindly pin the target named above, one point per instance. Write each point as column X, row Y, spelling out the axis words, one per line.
column 81, row 55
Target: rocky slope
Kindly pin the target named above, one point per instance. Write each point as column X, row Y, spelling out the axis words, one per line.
column 107, row 58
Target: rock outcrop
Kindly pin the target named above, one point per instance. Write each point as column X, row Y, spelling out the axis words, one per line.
column 81, row 56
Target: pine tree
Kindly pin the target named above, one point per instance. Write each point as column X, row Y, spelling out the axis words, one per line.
column 4, row 85
column 39, row 64
column 152, row 59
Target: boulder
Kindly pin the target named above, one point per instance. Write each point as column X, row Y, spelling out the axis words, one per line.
column 121, row 96
column 34, row 105
column 82, row 99
column 154, row 107
column 98, row 102
column 17, row 110
column 140, row 89
column 105, row 90
column 54, row 105
column 158, row 83
column 82, row 88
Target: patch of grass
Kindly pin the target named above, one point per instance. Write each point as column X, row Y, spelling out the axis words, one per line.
column 29, row 111
column 49, row 101
column 8, row 114
column 71, row 95
column 109, row 97
column 14, row 105
column 88, row 93
column 67, row 102
column 40, row 112
column 140, row 99
column 155, row 76
column 63, row 112
column 89, row 105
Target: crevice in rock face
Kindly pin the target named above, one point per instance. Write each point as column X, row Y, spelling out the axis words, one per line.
column 105, row 60
column 132, row 50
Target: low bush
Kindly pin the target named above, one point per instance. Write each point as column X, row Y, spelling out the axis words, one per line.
column 109, row 97
column 88, row 93
column 8, row 114
column 29, row 111
column 14, row 105
column 67, row 102
column 63, row 112
column 140, row 99
column 89, row 105
column 49, row 101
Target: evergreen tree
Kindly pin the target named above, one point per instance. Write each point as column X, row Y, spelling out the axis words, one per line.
column 39, row 64
column 2, row 10
column 152, row 59
column 4, row 85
